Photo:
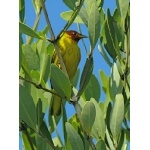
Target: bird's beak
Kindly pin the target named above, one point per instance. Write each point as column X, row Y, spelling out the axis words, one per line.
column 82, row 36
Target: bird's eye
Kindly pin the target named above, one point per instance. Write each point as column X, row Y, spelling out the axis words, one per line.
column 74, row 33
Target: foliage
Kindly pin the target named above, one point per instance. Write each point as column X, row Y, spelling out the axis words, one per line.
column 97, row 124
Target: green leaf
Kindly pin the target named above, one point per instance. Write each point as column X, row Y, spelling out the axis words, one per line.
column 21, row 10
column 86, row 74
column 74, row 138
column 94, row 25
column 42, row 144
column 74, row 81
column 117, row 116
column 99, row 127
column 26, row 143
column 116, row 85
column 63, row 87
column 44, row 57
column 31, row 57
column 27, row 111
column 88, row 116
column 71, row 3
column 84, row 16
column 67, row 15
column 112, row 32
column 40, row 114
column 121, row 140
column 123, row 8
column 45, row 132
column 20, row 54
column 109, row 140
column 37, row 6
column 107, row 40
column 104, row 54
column 92, row 90
column 100, row 145
column 27, row 30
column 64, row 120
column 88, row 4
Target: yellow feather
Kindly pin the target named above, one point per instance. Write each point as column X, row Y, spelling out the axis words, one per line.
column 70, row 53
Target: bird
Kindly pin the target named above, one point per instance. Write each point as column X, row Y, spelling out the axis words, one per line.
column 70, row 52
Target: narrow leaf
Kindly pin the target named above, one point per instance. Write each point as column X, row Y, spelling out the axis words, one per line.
column 74, row 81
column 115, row 82
column 123, row 8
column 99, row 127
column 74, row 138
column 86, row 74
column 27, row 30
column 100, row 145
column 94, row 25
column 31, row 57
column 67, row 14
column 37, row 6
column 63, row 87
column 104, row 54
column 88, row 116
column 117, row 115
column 27, row 111
column 70, row 3
column 92, row 90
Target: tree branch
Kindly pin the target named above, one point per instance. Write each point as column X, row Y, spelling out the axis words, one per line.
column 39, row 86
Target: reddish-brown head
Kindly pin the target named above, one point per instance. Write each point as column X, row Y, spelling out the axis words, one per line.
column 75, row 35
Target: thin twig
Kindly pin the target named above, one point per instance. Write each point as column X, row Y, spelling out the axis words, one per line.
column 39, row 86
column 48, row 21
column 53, row 39
column 73, row 16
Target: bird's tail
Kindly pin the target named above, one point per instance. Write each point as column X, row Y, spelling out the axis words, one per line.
column 56, row 105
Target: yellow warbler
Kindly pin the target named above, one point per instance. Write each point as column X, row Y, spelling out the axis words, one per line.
column 70, row 53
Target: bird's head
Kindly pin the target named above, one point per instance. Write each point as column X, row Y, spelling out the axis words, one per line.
column 75, row 35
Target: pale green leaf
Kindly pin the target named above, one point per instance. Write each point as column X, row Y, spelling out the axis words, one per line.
column 117, row 116
column 94, row 25
column 88, row 116
column 63, row 87
column 23, row 28
column 67, row 15
column 27, row 111
column 99, row 127
column 31, row 57
column 74, row 138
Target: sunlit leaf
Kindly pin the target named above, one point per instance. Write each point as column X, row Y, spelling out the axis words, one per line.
column 27, row 30
column 88, row 116
column 117, row 115
column 86, row 74
column 71, row 3
column 92, row 90
column 116, row 85
column 94, row 25
column 100, row 145
column 74, row 138
column 67, row 14
column 63, row 87
column 31, row 57
column 98, row 129
column 27, row 111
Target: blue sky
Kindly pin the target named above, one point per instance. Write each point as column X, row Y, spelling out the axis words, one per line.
column 54, row 8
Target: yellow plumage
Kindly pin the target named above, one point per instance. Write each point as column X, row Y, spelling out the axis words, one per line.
column 70, row 53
